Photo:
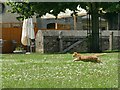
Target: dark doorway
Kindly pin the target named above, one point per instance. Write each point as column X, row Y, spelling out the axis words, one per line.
column 51, row 26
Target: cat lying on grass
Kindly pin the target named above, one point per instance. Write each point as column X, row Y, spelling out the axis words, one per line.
column 91, row 58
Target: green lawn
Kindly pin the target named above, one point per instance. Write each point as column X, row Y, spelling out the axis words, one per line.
column 58, row 71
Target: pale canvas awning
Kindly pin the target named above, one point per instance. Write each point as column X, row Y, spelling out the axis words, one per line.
column 27, row 32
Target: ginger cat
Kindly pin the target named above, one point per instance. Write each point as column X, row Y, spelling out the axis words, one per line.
column 91, row 58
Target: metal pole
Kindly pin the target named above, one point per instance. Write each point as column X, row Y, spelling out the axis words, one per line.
column 118, row 21
column 118, row 28
column 100, row 33
column 87, row 25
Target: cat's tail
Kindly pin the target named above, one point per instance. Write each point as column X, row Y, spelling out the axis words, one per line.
column 100, row 54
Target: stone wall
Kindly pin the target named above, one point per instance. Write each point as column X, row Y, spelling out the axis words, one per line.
column 51, row 44
column 49, row 41
column 105, row 43
column 116, row 42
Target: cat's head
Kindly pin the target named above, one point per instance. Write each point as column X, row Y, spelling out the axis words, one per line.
column 75, row 54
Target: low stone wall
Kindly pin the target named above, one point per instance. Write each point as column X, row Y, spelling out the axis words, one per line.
column 116, row 43
column 105, row 43
column 48, row 41
column 51, row 44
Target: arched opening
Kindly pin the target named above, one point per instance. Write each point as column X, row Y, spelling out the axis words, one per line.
column 2, row 6
column 51, row 26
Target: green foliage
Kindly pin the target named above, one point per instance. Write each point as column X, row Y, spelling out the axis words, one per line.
column 29, row 9
column 24, row 9
column 113, row 7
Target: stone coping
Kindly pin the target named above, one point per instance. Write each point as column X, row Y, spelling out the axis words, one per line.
column 75, row 32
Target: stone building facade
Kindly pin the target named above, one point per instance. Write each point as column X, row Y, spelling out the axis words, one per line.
column 67, row 23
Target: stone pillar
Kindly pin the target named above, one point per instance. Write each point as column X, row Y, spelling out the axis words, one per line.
column 75, row 22
column 111, row 41
column 107, row 26
column 60, row 41
column 56, row 25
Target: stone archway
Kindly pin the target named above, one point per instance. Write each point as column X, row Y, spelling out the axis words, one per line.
column 51, row 26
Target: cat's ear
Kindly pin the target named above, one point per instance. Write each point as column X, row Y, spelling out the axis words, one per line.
column 75, row 52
